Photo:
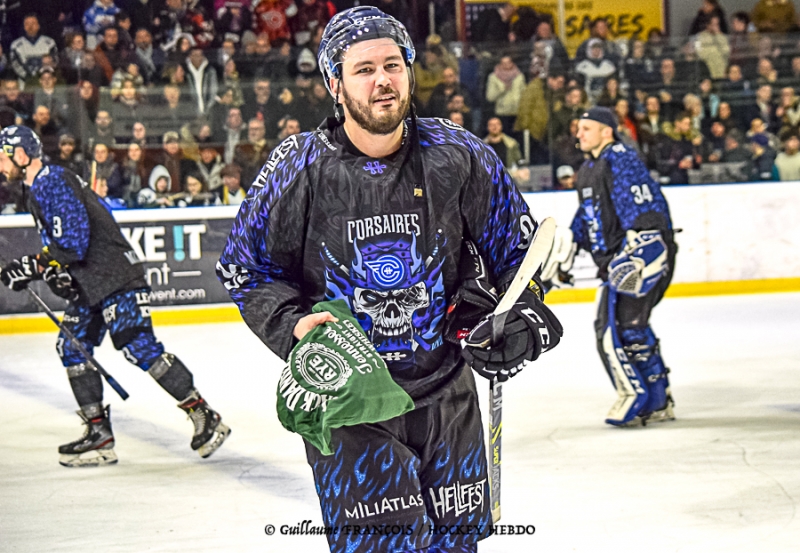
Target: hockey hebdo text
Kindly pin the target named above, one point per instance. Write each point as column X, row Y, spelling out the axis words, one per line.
column 307, row 528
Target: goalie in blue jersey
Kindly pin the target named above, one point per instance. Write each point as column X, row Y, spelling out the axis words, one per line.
column 623, row 221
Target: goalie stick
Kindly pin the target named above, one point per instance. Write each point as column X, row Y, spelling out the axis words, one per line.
column 71, row 337
column 537, row 255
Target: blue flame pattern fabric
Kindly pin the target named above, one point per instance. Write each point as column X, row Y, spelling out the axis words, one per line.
column 414, row 482
column 126, row 317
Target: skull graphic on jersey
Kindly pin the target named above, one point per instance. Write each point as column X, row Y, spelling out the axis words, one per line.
column 392, row 290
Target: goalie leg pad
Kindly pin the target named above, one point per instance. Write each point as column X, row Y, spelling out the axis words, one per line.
column 642, row 349
column 632, row 391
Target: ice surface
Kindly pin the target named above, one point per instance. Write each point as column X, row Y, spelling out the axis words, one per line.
column 724, row 477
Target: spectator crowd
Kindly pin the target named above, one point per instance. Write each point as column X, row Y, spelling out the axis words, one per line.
column 161, row 103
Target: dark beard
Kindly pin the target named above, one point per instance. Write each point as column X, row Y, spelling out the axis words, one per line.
column 387, row 123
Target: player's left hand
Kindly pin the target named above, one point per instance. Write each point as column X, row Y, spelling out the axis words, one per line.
column 530, row 330
column 19, row 272
column 60, row 283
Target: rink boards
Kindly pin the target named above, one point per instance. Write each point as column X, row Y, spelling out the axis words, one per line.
column 733, row 239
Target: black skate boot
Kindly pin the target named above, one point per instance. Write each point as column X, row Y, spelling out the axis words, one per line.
column 95, row 447
column 209, row 430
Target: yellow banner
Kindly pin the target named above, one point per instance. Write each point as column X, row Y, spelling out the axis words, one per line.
column 625, row 17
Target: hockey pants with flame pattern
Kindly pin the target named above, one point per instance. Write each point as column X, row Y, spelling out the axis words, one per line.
column 419, row 476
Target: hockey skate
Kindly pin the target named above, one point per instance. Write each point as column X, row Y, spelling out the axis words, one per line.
column 94, row 448
column 209, row 430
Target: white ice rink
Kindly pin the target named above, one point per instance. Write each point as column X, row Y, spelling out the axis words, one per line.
column 724, row 477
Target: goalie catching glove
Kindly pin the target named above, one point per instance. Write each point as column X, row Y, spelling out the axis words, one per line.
column 530, row 330
column 640, row 264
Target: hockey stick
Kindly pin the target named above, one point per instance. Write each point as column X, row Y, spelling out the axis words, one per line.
column 537, row 255
column 71, row 337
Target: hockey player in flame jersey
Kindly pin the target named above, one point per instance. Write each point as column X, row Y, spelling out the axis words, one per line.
column 372, row 209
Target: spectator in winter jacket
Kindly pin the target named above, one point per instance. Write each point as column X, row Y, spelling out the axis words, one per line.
column 28, row 50
column 158, row 192
column 595, row 69
column 504, row 89
column 763, row 158
column 788, row 113
column 43, row 125
column 506, row 148
column 250, row 156
column 573, row 107
column 598, row 31
column 734, row 150
column 202, row 80
column 16, row 100
column 171, row 157
column 68, row 157
column 443, row 92
column 111, row 54
column 101, row 14
column 231, row 191
column 539, row 99
column 680, row 151
column 55, row 98
column 105, row 168
column 150, row 59
column 714, row 143
column 713, row 48
column 707, row 11
column 788, row 161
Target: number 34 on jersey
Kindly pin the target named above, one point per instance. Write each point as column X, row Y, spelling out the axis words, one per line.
column 641, row 194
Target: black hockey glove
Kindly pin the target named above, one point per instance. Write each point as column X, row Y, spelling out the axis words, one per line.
column 60, row 283
column 19, row 272
column 530, row 330
column 474, row 299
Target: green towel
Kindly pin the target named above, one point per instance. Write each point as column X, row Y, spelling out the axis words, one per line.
column 336, row 378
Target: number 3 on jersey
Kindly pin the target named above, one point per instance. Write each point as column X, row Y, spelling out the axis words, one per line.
column 641, row 194
column 58, row 231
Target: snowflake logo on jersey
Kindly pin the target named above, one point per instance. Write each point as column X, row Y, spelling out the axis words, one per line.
column 374, row 168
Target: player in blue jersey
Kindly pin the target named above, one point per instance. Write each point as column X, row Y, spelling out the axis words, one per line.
column 623, row 221
column 88, row 261
column 373, row 208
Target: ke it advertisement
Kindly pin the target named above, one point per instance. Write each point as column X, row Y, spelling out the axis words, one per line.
column 178, row 248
